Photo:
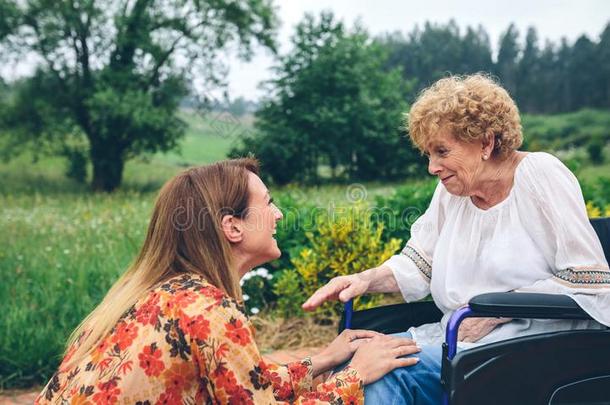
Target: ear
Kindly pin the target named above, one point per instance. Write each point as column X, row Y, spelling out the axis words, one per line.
column 232, row 228
column 487, row 145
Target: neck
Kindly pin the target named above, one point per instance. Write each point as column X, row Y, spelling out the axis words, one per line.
column 240, row 263
column 496, row 181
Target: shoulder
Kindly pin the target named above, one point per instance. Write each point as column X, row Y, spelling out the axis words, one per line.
column 198, row 306
column 540, row 168
column 544, row 162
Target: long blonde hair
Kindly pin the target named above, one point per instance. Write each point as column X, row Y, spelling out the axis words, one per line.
column 184, row 236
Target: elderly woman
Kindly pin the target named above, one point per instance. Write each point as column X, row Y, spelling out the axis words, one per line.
column 499, row 220
column 172, row 329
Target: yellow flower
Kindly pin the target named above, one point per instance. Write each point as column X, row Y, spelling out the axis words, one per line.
column 593, row 211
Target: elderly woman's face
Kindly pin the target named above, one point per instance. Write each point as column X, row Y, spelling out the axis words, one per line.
column 456, row 163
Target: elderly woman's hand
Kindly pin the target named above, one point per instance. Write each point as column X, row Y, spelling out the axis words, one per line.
column 343, row 288
column 473, row 329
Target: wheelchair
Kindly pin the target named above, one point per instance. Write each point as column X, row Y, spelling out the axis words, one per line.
column 558, row 368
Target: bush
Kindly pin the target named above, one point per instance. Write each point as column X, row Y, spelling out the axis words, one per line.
column 290, row 294
column 348, row 242
column 597, row 193
column 257, row 290
column 398, row 212
column 595, row 149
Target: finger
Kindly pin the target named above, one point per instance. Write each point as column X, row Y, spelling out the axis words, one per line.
column 331, row 288
column 363, row 333
column 405, row 350
column 348, row 293
column 405, row 362
column 397, row 342
column 354, row 345
column 322, row 295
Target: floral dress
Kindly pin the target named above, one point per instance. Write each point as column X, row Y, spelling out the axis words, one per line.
column 188, row 342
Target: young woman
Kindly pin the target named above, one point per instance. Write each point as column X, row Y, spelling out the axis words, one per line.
column 172, row 329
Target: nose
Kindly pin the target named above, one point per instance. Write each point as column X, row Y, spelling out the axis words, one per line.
column 278, row 213
column 433, row 167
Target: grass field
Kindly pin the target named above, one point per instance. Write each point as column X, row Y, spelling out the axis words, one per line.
column 61, row 246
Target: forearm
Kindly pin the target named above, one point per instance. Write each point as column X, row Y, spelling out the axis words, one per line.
column 320, row 363
column 381, row 280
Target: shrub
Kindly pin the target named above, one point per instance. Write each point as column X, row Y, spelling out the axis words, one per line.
column 348, row 242
column 290, row 295
column 597, row 192
column 398, row 212
column 257, row 290
column 595, row 149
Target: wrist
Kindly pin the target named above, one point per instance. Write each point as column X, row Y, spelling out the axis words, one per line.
column 370, row 277
column 359, row 371
column 321, row 363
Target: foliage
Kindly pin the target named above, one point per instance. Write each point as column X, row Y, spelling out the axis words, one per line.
column 290, row 294
column 595, row 149
column 594, row 211
column 565, row 131
column 551, row 79
column 332, row 104
column 597, row 193
column 257, row 288
column 348, row 242
column 398, row 211
column 117, row 71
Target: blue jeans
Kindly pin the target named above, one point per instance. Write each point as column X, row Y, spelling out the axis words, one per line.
column 414, row 385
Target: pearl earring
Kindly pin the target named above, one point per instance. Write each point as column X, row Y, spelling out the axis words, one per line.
column 484, row 157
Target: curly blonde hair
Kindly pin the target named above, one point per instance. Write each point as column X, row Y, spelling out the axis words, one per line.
column 471, row 107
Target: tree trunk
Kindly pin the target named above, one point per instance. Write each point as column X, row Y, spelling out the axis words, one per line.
column 108, row 168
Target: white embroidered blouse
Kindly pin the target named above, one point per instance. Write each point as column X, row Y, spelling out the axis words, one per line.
column 538, row 239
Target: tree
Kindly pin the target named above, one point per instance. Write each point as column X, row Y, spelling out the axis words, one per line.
column 115, row 71
column 583, row 72
column 528, row 78
column 506, row 66
column 332, row 103
column 426, row 55
column 603, row 52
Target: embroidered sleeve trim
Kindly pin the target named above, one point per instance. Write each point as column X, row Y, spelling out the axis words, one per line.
column 419, row 261
column 585, row 277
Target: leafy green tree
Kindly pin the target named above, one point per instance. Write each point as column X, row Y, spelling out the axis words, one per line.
column 528, row 73
column 426, row 55
column 332, row 104
column 508, row 54
column 114, row 72
column 603, row 52
column 583, row 73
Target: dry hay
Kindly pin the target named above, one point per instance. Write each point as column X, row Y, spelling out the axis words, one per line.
column 294, row 333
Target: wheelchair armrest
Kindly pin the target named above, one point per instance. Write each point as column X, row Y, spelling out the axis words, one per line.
column 527, row 305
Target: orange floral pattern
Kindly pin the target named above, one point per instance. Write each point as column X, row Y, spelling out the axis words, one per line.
column 187, row 342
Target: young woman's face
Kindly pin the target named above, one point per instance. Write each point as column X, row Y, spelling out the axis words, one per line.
column 456, row 163
column 259, row 224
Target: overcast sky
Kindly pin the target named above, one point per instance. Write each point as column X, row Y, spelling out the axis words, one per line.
column 553, row 19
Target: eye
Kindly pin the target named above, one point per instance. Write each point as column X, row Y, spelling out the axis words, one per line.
column 442, row 151
column 271, row 200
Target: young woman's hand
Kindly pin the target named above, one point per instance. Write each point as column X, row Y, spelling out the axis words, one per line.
column 341, row 349
column 342, row 288
column 382, row 354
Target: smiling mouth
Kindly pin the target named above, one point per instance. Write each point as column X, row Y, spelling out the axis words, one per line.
column 446, row 178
